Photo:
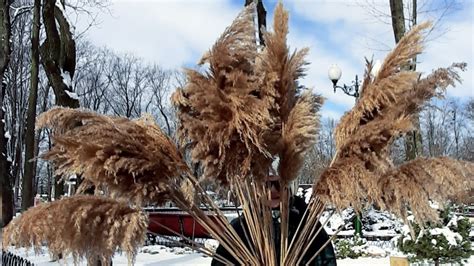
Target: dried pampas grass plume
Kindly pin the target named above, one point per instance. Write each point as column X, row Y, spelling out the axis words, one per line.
column 83, row 226
column 383, row 113
column 299, row 134
column 295, row 115
column 132, row 159
column 387, row 88
column 416, row 182
column 222, row 113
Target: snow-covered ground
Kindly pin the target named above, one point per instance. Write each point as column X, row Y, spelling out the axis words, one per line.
column 160, row 255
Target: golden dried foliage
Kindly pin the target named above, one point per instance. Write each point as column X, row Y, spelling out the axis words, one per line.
column 295, row 114
column 388, row 88
column 299, row 134
column 236, row 117
column 383, row 113
column 83, row 226
column 233, row 114
column 131, row 159
column 418, row 181
column 221, row 112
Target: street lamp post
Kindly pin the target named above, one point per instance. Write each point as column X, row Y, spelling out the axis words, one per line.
column 335, row 73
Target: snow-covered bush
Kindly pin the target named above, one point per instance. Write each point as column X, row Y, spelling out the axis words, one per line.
column 446, row 242
column 353, row 247
column 374, row 220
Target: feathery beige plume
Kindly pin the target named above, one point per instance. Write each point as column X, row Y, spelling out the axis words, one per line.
column 383, row 113
column 132, row 159
column 294, row 115
column 387, row 88
column 222, row 112
column 83, row 226
column 299, row 134
column 416, row 182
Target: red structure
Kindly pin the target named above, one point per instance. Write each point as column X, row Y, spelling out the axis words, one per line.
column 169, row 221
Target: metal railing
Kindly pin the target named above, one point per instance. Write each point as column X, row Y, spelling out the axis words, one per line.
column 10, row 259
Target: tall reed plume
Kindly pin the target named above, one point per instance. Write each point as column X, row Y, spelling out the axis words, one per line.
column 131, row 159
column 88, row 227
column 362, row 170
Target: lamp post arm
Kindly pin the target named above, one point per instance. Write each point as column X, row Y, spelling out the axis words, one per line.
column 352, row 90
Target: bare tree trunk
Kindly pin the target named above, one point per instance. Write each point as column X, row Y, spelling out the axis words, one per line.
column 413, row 144
column 58, row 54
column 6, row 196
column 29, row 174
column 261, row 19
column 398, row 19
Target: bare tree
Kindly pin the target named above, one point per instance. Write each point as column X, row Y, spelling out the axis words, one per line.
column 261, row 18
column 58, row 54
column 319, row 157
column 17, row 95
column 159, row 83
column 126, row 77
column 413, row 141
column 91, row 82
column 30, row 144
column 5, row 53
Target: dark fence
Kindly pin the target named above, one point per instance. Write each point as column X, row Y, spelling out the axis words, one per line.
column 173, row 241
column 10, row 259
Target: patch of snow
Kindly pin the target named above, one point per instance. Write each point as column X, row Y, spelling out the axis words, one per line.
column 161, row 255
column 434, row 242
column 434, row 205
column 375, row 251
column 307, row 195
column 406, row 238
column 7, row 135
column 211, row 244
column 149, row 255
column 405, row 229
column 380, row 233
column 334, row 223
column 60, row 6
column 454, row 221
column 342, row 233
column 451, row 236
column 231, row 216
column 72, row 95
column 66, row 78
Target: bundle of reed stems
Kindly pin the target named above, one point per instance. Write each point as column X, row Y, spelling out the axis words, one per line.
column 236, row 118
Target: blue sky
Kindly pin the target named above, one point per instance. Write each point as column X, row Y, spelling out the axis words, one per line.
column 175, row 33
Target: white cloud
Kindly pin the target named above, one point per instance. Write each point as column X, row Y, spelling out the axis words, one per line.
column 356, row 31
column 170, row 33
column 455, row 46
